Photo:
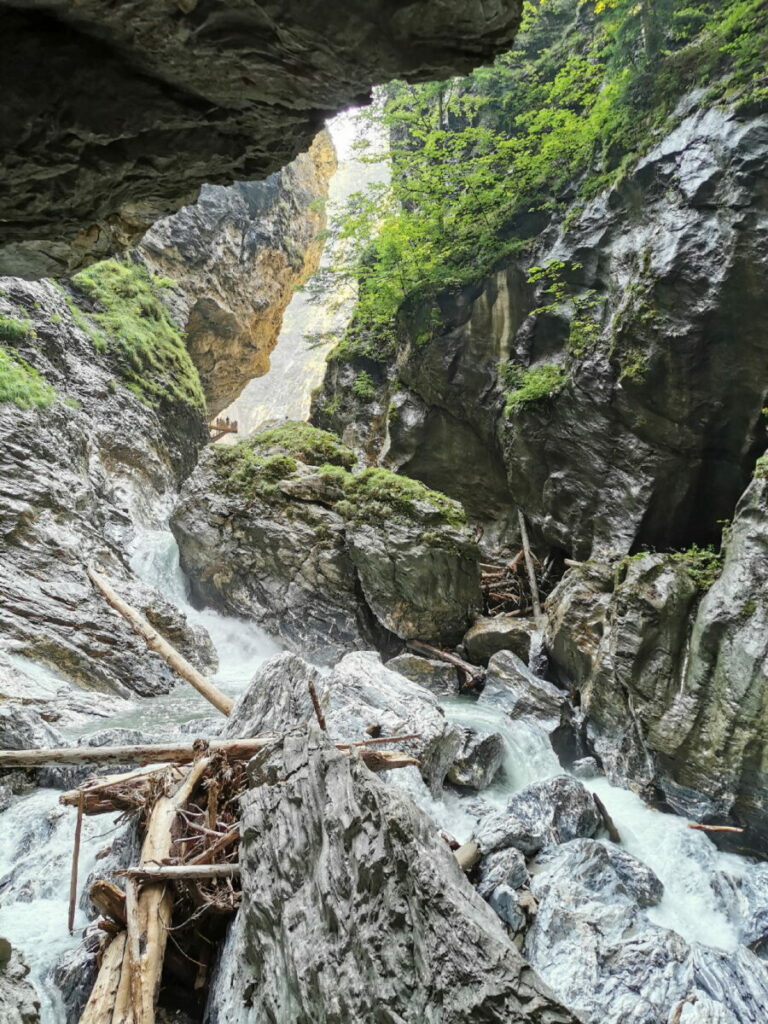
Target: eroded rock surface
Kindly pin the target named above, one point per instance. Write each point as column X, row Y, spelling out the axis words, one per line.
column 18, row 1000
column 236, row 255
column 358, row 693
column 278, row 530
column 116, row 115
column 72, row 477
column 340, row 861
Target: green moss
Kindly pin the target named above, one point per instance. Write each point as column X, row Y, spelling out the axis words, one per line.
column 137, row 328
column 523, row 386
column 306, row 443
column 363, row 387
column 377, row 495
column 760, row 471
column 15, row 331
column 21, row 384
column 703, row 565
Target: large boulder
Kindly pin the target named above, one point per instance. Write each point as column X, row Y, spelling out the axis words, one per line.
column 503, row 632
column 519, row 693
column 437, row 676
column 550, row 812
column 18, row 1000
column 382, row 922
column 478, row 760
column 593, row 943
column 358, row 693
column 277, row 529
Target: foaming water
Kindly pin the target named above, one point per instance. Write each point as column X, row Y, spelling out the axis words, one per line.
column 686, row 861
column 35, row 857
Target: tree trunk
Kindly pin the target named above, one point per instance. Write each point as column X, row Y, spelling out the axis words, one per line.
column 101, row 1004
column 160, row 645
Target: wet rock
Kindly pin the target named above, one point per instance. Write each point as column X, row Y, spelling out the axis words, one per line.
column 478, row 760
column 80, row 471
column 437, row 676
column 76, row 971
column 500, row 632
column 753, row 898
column 335, row 857
column 195, row 95
column 236, row 255
column 501, row 874
column 585, row 768
column 368, row 556
column 18, row 1000
column 591, row 941
column 358, row 693
column 551, row 812
column 513, row 688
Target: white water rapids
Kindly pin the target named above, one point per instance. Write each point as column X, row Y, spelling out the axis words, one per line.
column 36, row 833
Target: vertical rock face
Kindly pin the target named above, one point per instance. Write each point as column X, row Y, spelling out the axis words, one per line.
column 674, row 683
column 115, row 115
column 354, row 909
column 652, row 433
column 236, row 255
column 18, row 999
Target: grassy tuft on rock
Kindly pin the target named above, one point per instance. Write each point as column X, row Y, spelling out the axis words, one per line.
column 306, row 443
column 531, row 385
column 21, row 384
column 138, row 331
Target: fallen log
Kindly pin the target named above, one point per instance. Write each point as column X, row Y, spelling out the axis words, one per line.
column 160, row 753
column 108, row 899
column 218, row 847
column 100, row 1005
column 715, row 828
column 467, row 855
column 160, row 645
column 610, row 827
column 148, row 921
column 173, row 872
column 530, row 568
column 474, row 675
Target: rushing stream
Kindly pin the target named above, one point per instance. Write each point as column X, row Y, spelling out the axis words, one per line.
column 36, row 833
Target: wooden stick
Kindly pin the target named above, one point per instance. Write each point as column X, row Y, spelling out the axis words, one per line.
column 316, row 705
column 473, row 674
column 529, row 567
column 221, row 844
column 467, row 855
column 241, row 750
column 385, row 760
column 172, row 872
column 109, row 899
column 715, row 828
column 101, row 1004
column 75, row 865
column 610, row 827
column 160, row 645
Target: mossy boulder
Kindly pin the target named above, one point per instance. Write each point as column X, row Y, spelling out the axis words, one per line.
column 281, row 529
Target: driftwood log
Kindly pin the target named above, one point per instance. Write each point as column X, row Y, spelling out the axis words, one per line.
column 157, row 643
column 474, row 675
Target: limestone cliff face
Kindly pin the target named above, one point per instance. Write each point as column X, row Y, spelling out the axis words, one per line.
column 651, row 435
column 647, row 438
column 237, row 254
column 116, row 114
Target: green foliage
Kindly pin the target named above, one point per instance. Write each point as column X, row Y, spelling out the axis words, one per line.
column 15, row 331
column 20, row 383
column 587, row 89
column 580, row 307
column 760, row 471
column 522, row 386
column 306, row 443
column 703, row 565
column 379, row 495
column 138, row 331
column 374, row 495
column 363, row 387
